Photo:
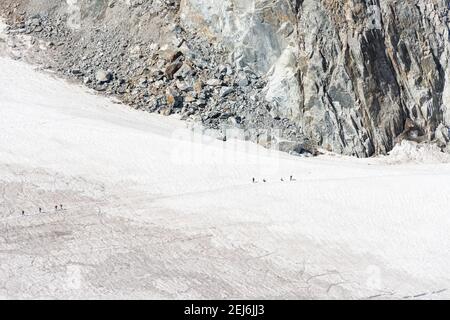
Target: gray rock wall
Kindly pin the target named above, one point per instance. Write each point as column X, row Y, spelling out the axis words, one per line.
column 343, row 75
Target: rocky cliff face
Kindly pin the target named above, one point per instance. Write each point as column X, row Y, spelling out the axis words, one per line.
column 348, row 72
column 343, row 75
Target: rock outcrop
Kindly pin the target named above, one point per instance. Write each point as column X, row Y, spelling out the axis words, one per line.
column 350, row 76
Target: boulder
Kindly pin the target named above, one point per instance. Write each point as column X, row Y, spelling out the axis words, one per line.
column 214, row 82
column 225, row 91
column 172, row 68
column 103, row 76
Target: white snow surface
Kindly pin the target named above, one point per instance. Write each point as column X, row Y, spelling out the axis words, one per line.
column 151, row 210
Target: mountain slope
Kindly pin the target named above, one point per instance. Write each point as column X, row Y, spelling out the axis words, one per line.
column 347, row 76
